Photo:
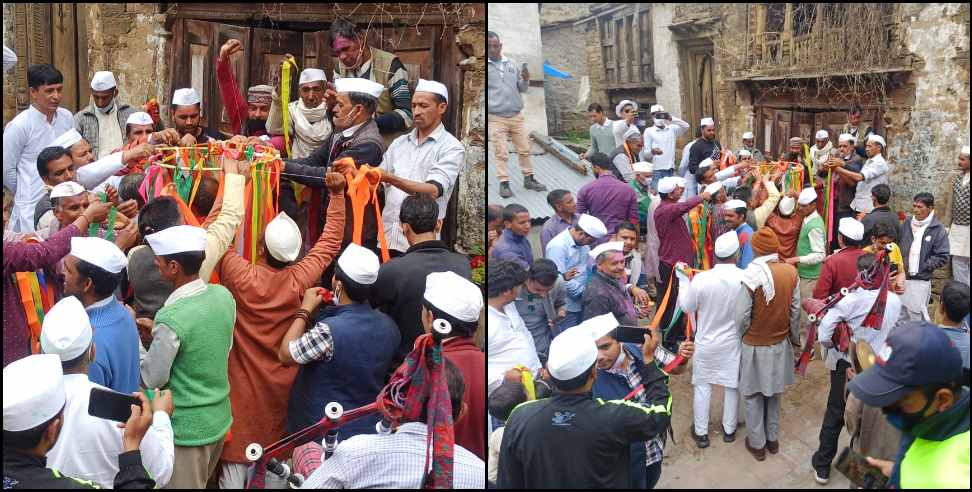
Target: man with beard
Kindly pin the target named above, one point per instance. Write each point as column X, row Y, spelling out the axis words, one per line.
column 844, row 187
column 247, row 117
column 310, row 124
column 100, row 123
column 186, row 115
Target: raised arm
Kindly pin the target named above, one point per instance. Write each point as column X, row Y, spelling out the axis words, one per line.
column 229, row 91
column 309, row 269
column 220, row 234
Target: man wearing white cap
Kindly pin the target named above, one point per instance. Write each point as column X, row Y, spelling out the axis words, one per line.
column 505, row 81
column 749, row 145
column 705, row 148
column 811, row 247
column 958, row 234
column 101, row 122
column 627, row 112
column 401, row 281
column 54, row 165
column 247, row 116
column 349, row 44
column 186, row 116
column 87, row 445
column 346, row 353
column 267, row 294
column 734, row 213
column 571, row 440
column 840, row 269
column 356, row 136
column 648, row 202
column 854, row 128
column 659, row 142
column 874, row 172
column 33, row 414
column 454, row 299
column 924, row 247
column 426, row 160
column 94, row 173
column 192, row 336
column 844, row 187
column 821, row 152
column 626, row 154
column 92, row 272
column 309, row 124
column 721, row 304
column 569, row 251
column 31, row 131
column 786, row 222
column 606, row 292
column 69, row 200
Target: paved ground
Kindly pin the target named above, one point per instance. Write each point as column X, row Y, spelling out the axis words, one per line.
column 729, row 465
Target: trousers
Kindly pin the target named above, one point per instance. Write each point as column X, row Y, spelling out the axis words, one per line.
column 700, row 408
column 960, row 269
column 677, row 333
column 193, row 465
column 514, row 127
column 762, row 419
column 914, row 301
column 833, row 420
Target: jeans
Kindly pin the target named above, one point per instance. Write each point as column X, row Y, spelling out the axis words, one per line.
column 657, row 175
column 833, row 418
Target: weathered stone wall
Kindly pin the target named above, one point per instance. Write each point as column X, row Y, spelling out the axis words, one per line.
column 666, row 59
column 595, row 60
column 9, row 89
column 518, row 26
column 566, row 104
column 472, row 180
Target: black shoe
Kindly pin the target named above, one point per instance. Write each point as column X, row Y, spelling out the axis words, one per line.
column 700, row 441
column 821, row 475
column 729, row 437
column 505, row 190
column 773, row 446
column 530, row 183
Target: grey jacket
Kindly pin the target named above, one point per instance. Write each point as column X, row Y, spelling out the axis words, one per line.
column 933, row 244
column 505, row 85
column 86, row 122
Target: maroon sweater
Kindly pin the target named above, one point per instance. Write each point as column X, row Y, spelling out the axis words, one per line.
column 471, row 362
column 838, row 270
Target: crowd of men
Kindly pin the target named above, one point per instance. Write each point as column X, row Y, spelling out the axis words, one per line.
column 109, row 287
column 740, row 250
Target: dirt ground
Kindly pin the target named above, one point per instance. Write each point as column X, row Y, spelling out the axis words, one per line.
column 729, row 465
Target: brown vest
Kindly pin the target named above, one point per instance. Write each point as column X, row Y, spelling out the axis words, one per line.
column 771, row 323
column 787, row 230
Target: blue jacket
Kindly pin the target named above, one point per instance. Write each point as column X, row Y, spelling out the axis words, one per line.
column 365, row 342
column 115, row 335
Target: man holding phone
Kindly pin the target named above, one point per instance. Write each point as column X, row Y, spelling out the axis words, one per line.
column 34, row 403
column 569, row 250
column 89, row 442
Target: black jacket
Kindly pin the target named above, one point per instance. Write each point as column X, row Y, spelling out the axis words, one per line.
column 933, row 244
column 881, row 215
column 400, row 287
column 22, row 471
column 575, row 441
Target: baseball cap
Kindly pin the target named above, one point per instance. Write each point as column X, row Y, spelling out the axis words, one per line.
column 918, row 353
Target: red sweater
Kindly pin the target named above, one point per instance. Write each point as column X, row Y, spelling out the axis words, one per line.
column 235, row 104
column 471, row 362
column 838, row 270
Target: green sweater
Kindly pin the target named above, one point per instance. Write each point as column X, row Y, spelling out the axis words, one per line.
column 198, row 379
column 803, row 248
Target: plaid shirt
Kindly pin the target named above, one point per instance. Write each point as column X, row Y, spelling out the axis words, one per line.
column 315, row 344
column 655, row 446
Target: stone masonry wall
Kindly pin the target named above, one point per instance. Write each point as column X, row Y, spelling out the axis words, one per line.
column 518, row 27
column 472, row 179
column 566, row 105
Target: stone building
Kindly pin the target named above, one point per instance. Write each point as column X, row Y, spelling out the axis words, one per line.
column 782, row 70
column 155, row 48
column 518, row 27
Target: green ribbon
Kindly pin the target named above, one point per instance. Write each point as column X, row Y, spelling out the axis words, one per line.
column 94, row 226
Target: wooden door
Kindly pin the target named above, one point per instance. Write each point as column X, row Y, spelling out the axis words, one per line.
column 195, row 54
column 238, row 64
column 317, row 52
column 269, row 48
column 64, row 36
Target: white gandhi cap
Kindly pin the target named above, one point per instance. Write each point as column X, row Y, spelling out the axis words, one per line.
column 67, row 330
column 33, row 391
column 846, row 137
column 67, row 139
column 707, row 122
column 99, row 252
column 608, row 246
column 185, row 97
column 283, row 238
column 787, row 205
column 102, row 81
column 713, row 188
column 877, row 138
column 851, row 228
column 359, row 85
column 807, row 196
column 597, row 326
column 455, row 295
column 139, row 118
column 822, row 134
column 178, row 239
column 657, row 108
column 727, row 244
column 705, row 162
column 642, row 167
column 311, row 75
column 734, row 204
column 67, row 188
column 592, row 226
column 748, row 136
column 359, row 264
column 433, row 87
column 571, row 354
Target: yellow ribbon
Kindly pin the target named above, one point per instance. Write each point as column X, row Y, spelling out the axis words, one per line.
column 526, row 377
column 285, row 101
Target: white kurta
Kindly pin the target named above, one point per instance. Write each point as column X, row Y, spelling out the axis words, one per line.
column 509, row 343
column 439, row 158
column 853, row 308
column 23, row 138
column 721, row 303
column 88, row 447
column 94, row 173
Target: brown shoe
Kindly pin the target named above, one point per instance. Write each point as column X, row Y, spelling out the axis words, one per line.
column 773, row 446
column 759, row 454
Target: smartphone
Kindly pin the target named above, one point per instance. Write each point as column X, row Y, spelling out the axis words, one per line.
column 861, row 473
column 111, row 405
column 631, row 334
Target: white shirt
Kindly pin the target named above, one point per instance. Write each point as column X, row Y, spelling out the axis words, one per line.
column 816, row 238
column 690, row 185
column 393, row 461
column 91, row 175
column 875, row 172
column 88, row 447
column 664, row 138
column 852, row 309
column 619, row 127
column 509, row 344
column 23, row 138
column 722, row 304
column 918, row 233
column 439, row 158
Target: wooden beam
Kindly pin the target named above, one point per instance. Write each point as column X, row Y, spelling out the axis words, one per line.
column 562, row 153
column 327, row 12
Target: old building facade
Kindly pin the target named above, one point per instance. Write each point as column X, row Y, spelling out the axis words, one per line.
column 783, row 70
